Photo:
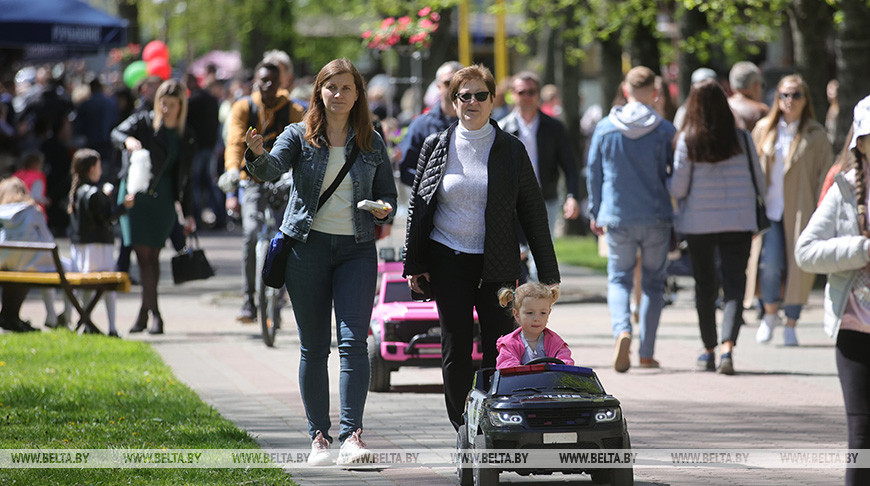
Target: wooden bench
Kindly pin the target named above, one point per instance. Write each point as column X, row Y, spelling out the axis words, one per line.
column 99, row 282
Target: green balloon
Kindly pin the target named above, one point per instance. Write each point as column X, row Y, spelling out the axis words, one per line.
column 135, row 72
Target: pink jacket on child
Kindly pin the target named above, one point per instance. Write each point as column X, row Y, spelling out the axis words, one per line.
column 511, row 349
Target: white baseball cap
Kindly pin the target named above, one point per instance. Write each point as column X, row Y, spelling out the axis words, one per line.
column 701, row 74
column 860, row 121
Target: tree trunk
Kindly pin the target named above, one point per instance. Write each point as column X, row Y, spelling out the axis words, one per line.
column 691, row 22
column 444, row 46
column 853, row 61
column 811, row 22
column 129, row 11
column 554, row 58
column 644, row 48
column 611, row 70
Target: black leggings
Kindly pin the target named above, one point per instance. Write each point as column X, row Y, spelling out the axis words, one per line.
column 853, row 366
column 734, row 250
column 149, row 272
column 12, row 299
column 458, row 290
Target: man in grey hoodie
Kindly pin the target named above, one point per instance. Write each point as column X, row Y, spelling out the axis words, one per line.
column 629, row 161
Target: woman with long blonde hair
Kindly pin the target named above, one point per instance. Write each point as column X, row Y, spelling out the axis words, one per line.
column 148, row 223
column 795, row 155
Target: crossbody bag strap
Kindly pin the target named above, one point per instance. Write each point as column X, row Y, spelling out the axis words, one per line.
column 749, row 159
column 338, row 178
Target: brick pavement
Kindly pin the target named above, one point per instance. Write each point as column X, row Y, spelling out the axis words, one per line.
column 781, row 397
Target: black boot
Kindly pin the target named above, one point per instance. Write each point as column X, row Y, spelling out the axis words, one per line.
column 141, row 322
column 156, row 324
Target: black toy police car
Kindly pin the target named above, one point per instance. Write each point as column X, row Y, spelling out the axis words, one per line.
column 542, row 408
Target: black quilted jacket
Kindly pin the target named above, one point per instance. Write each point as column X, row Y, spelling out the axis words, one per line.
column 512, row 195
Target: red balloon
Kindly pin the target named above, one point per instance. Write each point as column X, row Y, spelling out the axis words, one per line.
column 159, row 67
column 154, row 50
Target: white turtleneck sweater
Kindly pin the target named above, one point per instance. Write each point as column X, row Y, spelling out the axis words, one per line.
column 459, row 215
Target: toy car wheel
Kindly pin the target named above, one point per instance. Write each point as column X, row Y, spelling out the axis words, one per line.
column 463, row 471
column 614, row 477
column 380, row 371
column 622, row 477
column 483, row 476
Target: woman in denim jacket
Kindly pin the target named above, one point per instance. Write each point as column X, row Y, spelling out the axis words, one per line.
column 333, row 262
column 836, row 241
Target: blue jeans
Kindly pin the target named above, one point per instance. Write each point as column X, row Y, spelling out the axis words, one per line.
column 253, row 199
column 772, row 269
column 622, row 245
column 326, row 271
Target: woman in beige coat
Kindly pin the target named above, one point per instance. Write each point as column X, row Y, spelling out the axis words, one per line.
column 795, row 154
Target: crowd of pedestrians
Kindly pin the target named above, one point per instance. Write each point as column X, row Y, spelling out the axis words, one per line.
column 489, row 179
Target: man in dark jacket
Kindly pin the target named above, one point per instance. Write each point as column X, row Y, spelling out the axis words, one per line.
column 549, row 149
column 202, row 116
column 439, row 118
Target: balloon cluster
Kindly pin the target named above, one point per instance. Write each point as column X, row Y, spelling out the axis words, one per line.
column 155, row 62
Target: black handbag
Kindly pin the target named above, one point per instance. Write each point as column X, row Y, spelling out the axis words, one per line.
column 275, row 263
column 762, row 222
column 191, row 264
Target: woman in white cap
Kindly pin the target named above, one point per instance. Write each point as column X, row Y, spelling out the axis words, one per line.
column 795, row 155
column 837, row 242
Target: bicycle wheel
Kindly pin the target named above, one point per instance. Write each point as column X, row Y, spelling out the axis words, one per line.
column 268, row 299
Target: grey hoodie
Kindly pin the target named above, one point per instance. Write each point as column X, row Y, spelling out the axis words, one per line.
column 23, row 221
column 635, row 119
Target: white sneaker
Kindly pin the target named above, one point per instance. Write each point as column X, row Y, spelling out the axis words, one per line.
column 352, row 450
column 319, row 451
column 765, row 329
column 789, row 336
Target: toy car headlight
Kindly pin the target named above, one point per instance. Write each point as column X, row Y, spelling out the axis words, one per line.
column 501, row 419
column 605, row 415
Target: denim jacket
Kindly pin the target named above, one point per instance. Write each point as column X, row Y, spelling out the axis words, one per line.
column 629, row 159
column 372, row 177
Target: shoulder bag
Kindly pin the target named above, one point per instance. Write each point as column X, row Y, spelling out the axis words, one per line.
column 275, row 263
column 762, row 223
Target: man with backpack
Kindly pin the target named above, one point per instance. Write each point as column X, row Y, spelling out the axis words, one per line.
column 269, row 112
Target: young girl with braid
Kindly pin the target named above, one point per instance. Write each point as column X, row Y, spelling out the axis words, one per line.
column 836, row 241
column 91, row 218
column 532, row 303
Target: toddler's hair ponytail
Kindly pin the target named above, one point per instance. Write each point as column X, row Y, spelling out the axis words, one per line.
column 529, row 289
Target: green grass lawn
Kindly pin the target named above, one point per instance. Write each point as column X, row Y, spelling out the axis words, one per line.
column 59, row 390
column 581, row 251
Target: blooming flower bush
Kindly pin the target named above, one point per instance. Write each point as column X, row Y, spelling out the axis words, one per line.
column 124, row 55
column 403, row 31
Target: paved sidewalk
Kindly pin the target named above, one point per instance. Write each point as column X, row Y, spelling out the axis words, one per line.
column 781, row 397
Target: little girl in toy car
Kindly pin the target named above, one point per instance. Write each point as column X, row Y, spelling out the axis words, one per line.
column 532, row 303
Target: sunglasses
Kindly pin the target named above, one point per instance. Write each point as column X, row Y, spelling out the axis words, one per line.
column 527, row 92
column 480, row 96
column 796, row 95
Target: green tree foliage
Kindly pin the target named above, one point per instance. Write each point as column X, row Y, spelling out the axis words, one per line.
column 193, row 27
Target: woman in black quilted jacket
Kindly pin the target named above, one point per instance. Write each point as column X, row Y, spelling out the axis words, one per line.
column 473, row 183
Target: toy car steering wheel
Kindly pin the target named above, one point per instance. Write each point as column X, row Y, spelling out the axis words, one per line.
column 545, row 359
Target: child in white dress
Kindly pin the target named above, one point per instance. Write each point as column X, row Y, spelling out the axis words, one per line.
column 92, row 216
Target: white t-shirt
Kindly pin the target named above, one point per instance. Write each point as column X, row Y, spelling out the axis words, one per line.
column 528, row 134
column 336, row 215
column 775, row 198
